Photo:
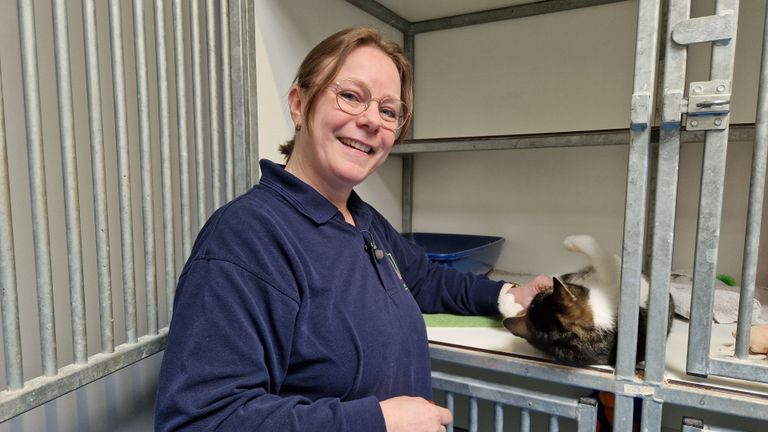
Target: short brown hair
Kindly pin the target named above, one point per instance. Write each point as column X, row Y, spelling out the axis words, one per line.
column 323, row 62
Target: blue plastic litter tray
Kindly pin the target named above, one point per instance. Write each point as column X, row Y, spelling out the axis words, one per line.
column 465, row 252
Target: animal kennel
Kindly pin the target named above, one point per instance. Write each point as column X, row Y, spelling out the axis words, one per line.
column 158, row 100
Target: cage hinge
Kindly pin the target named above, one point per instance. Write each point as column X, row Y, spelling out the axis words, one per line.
column 709, row 105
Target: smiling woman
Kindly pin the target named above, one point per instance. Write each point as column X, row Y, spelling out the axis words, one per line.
column 338, row 150
column 287, row 315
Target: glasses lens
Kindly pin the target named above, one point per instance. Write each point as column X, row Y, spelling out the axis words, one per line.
column 392, row 110
column 351, row 97
column 354, row 98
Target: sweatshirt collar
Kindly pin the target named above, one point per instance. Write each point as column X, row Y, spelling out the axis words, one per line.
column 307, row 200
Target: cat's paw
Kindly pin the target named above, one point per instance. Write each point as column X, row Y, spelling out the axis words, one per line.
column 508, row 306
column 579, row 243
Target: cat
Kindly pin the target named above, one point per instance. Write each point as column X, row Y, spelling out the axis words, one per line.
column 575, row 321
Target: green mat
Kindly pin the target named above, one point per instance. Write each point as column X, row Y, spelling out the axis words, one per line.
column 448, row 320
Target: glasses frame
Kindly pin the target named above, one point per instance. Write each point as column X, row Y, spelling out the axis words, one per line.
column 336, row 89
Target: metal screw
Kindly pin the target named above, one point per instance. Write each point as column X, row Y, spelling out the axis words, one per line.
column 697, row 89
column 694, row 123
column 718, row 121
column 720, row 88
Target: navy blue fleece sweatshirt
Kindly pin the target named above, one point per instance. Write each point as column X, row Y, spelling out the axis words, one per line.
column 283, row 321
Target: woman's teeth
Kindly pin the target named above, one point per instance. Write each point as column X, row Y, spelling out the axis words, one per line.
column 355, row 144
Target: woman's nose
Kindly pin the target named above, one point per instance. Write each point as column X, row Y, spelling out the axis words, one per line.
column 370, row 118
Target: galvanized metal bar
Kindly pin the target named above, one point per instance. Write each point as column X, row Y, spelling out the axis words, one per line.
column 597, row 379
column 696, row 425
column 14, row 374
column 712, row 28
column 69, row 170
column 734, row 368
column 665, row 199
column 524, row 141
column 518, row 397
column 197, row 107
column 641, row 115
column 472, row 414
column 185, row 197
column 145, row 146
column 239, row 101
column 93, row 83
column 450, row 404
column 554, row 424
column 650, row 417
column 504, row 13
column 213, row 104
column 692, row 425
column 407, row 192
column 409, row 47
column 710, row 209
column 226, row 94
column 166, row 168
column 684, row 394
column 586, row 414
column 755, row 208
column 610, row 137
column 37, row 185
column 250, row 93
column 525, row 421
column 498, row 417
column 747, row 405
column 123, row 169
column 383, row 13
column 39, row 390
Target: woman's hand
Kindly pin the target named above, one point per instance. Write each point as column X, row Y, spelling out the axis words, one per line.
column 414, row 414
column 515, row 299
column 525, row 293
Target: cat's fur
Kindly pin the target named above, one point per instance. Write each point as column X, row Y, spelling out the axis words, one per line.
column 575, row 322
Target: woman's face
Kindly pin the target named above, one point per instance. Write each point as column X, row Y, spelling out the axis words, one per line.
column 343, row 149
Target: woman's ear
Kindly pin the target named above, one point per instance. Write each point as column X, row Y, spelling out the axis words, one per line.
column 296, row 105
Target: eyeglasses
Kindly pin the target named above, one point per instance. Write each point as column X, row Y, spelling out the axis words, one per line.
column 354, row 98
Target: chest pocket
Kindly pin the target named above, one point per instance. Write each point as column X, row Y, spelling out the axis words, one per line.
column 387, row 270
column 390, row 275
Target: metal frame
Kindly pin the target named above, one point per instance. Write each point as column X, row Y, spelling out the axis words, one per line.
column 582, row 410
column 694, row 117
column 229, row 131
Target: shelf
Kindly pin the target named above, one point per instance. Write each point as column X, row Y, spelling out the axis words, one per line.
column 606, row 137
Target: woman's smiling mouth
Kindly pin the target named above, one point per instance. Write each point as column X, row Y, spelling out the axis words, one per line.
column 356, row 145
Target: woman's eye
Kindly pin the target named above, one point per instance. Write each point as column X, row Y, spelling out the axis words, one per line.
column 388, row 113
column 349, row 96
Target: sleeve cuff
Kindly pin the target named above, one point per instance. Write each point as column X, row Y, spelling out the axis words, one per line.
column 364, row 415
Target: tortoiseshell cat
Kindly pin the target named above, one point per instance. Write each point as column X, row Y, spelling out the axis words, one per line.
column 575, row 322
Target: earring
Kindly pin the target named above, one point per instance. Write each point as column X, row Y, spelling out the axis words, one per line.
column 298, row 127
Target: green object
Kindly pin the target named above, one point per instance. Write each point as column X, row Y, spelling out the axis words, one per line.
column 727, row 279
column 449, row 320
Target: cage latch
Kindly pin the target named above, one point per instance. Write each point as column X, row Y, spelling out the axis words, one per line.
column 709, row 105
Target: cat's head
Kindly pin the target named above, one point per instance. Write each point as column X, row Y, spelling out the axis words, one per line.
column 562, row 308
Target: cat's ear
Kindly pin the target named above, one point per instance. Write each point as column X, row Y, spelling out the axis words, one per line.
column 561, row 293
column 517, row 326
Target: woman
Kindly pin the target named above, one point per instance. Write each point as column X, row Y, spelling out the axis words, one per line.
column 300, row 307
